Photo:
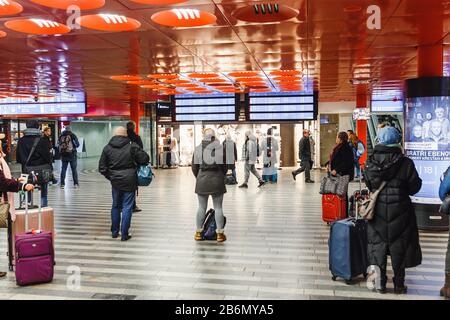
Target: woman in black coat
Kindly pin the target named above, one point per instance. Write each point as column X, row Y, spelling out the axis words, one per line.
column 341, row 159
column 393, row 230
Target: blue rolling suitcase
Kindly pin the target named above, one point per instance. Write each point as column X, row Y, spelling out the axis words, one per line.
column 348, row 249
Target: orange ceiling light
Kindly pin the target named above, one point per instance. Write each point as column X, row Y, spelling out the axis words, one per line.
column 141, row 82
column 261, row 90
column 249, row 79
column 243, row 74
column 258, row 87
column 109, row 22
column 154, row 86
column 3, row 34
column 285, row 73
column 158, row 1
column 203, row 92
column 160, row 76
column 218, row 84
column 287, row 78
column 212, row 80
column 9, row 8
column 37, row 26
column 173, row 92
column 126, row 77
column 64, row 4
column 254, row 83
column 265, row 12
column 187, row 85
column 180, row 17
column 194, row 88
column 176, row 81
column 203, row 75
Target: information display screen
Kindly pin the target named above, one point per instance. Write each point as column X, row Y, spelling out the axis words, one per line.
column 386, row 105
column 287, row 106
column 63, row 103
column 427, row 142
column 192, row 108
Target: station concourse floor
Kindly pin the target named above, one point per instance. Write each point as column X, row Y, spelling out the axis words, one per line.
column 276, row 249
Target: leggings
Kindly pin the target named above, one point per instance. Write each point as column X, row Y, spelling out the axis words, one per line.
column 203, row 206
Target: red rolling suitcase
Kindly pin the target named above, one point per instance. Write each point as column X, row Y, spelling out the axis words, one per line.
column 333, row 208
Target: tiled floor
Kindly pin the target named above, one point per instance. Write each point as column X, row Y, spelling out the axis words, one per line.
column 277, row 247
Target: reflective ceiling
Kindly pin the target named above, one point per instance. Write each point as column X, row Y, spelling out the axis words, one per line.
column 327, row 41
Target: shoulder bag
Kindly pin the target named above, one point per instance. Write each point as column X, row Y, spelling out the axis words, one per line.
column 41, row 174
column 335, row 185
column 366, row 207
column 4, row 211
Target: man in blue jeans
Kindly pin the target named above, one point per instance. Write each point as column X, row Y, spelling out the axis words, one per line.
column 68, row 144
column 118, row 164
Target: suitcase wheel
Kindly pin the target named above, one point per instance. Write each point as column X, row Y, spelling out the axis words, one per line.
column 348, row 282
column 328, row 223
column 334, row 278
column 11, row 268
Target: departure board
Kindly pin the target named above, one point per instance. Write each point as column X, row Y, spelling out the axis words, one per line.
column 386, row 105
column 67, row 103
column 282, row 106
column 210, row 108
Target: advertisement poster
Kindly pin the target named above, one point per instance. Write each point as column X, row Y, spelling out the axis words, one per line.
column 427, row 142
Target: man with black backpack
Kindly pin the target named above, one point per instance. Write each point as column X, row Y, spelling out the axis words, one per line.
column 68, row 144
column 34, row 152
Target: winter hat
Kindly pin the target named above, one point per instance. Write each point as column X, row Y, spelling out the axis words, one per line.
column 32, row 124
column 388, row 135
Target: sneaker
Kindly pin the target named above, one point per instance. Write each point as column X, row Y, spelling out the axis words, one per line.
column 221, row 237
column 244, row 185
column 126, row 238
column 63, row 186
column 309, row 181
column 261, row 183
column 198, row 236
column 136, row 209
column 115, row 236
column 294, row 176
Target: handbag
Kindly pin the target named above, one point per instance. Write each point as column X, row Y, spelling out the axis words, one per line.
column 41, row 174
column 4, row 211
column 335, row 185
column 366, row 207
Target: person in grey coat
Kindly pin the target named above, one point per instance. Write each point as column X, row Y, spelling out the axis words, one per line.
column 209, row 168
column 305, row 155
column 250, row 156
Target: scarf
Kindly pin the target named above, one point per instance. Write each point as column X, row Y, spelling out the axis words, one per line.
column 336, row 149
column 7, row 172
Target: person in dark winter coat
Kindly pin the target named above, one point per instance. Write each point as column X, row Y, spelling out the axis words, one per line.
column 134, row 137
column 341, row 158
column 68, row 144
column 393, row 230
column 444, row 192
column 305, row 155
column 209, row 169
column 118, row 164
column 230, row 151
column 40, row 156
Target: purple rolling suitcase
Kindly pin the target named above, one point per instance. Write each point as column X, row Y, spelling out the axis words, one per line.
column 34, row 254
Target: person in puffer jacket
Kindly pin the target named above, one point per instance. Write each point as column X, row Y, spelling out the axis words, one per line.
column 209, row 168
column 393, row 230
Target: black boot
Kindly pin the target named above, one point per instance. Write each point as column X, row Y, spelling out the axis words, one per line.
column 399, row 282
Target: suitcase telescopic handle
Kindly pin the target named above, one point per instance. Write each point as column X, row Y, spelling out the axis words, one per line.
column 39, row 210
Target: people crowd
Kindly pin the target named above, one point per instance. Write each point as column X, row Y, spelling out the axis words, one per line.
column 393, row 231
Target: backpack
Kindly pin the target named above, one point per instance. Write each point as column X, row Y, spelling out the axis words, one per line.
column 66, row 145
column 145, row 175
column 361, row 148
column 210, row 226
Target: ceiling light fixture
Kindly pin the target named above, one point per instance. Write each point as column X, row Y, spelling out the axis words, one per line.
column 9, row 8
column 160, row 2
column 183, row 18
column 64, row 4
column 126, row 77
column 243, row 74
column 37, row 26
column 109, row 22
column 3, row 34
column 265, row 12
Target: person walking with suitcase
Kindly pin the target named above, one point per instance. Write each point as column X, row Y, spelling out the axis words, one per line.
column 230, row 151
column 118, row 163
column 209, row 169
column 68, row 144
column 270, row 147
column 8, row 187
column 134, row 137
column 393, row 230
column 250, row 155
column 304, row 153
column 34, row 151
column 444, row 194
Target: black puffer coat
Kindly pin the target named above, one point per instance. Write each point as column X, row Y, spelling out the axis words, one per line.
column 209, row 167
column 119, row 161
column 393, row 230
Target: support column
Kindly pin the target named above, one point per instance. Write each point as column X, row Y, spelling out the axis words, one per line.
column 135, row 113
column 287, row 133
column 361, row 125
